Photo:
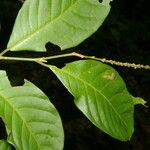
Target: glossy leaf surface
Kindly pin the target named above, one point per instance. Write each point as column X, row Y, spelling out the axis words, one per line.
column 65, row 23
column 32, row 122
column 101, row 94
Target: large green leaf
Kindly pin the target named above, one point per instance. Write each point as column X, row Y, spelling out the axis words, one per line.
column 4, row 145
column 65, row 23
column 32, row 122
column 101, row 95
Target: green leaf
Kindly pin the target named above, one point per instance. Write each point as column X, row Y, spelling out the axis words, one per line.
column 65, row 23
column 101, row 94
column 4, row 145
column 32, row 122
column 138, row 100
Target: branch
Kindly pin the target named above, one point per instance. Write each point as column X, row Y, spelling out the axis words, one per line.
column 43, row 60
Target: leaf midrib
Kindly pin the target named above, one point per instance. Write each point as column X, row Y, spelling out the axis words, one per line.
column 25, row 38
column 65, row 71
column 15, row 110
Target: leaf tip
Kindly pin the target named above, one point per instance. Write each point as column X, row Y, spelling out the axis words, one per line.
column 139, row 100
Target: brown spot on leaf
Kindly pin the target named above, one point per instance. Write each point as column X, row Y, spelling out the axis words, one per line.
column 110, row 76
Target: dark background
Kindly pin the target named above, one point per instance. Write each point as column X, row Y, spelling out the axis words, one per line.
column 124, row 36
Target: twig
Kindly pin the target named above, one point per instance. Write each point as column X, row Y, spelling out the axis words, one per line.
column 104, row 60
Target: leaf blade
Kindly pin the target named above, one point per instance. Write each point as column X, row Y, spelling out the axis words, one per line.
column 91, row 82
column 4, row 145
column 32, row 121
column 65, row 23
